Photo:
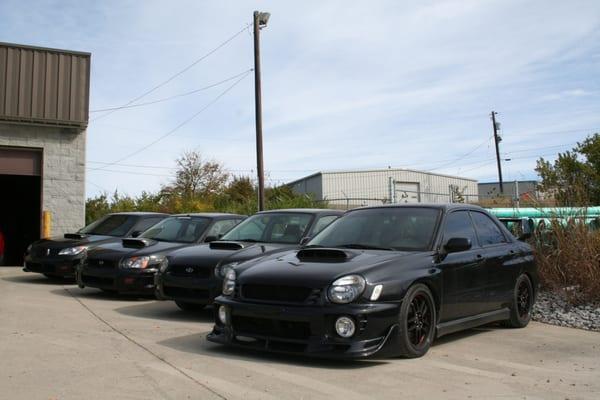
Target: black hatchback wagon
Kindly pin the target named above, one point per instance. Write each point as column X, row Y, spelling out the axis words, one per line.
column 380, row 281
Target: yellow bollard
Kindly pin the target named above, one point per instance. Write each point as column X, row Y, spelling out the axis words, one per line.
column 46, row 224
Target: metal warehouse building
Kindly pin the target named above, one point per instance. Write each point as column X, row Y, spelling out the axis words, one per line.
column 44, row 101
column 360, row 188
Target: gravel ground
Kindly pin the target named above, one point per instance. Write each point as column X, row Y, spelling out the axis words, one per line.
column 552, row 308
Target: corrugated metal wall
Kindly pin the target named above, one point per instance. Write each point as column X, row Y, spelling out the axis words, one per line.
column 433, row 188
column 44, row 86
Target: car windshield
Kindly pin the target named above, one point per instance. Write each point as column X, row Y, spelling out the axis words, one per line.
column 287, row 228
column 178, row 229
column 394, row 228
column 111, row 225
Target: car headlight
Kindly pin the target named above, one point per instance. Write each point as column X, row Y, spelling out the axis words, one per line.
column 221, row 270
column 229, row 282
column 136, row 262
column 164, row 264
column 346, row 289
column 72, row 251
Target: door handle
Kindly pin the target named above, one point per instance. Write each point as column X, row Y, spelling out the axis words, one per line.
column 479, row 256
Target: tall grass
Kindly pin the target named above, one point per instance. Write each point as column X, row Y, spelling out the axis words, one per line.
column 568, row 256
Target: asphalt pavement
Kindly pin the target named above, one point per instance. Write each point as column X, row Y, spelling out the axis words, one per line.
column 61, row 342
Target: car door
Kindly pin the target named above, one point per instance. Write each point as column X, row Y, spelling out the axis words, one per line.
column 501, row 260
column 463, row 276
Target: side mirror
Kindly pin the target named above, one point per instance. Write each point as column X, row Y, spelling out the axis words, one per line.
column 305, row 240
column 454, row 245
column 209, row 239
column 136, row 233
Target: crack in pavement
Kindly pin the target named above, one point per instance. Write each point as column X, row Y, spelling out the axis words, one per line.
column 141, row 346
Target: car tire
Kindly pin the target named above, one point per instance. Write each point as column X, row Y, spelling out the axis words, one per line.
column 522, row 303
column 417, row 322
column 190, row 307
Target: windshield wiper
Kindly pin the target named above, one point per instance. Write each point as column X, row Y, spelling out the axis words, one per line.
column 312, row 246
column 248, row 240
column 363, row 246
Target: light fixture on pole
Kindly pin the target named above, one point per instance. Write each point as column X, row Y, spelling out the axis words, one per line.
column 260, row 21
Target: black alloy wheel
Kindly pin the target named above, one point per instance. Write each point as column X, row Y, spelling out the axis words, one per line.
column 522, row 303
column 417, row 321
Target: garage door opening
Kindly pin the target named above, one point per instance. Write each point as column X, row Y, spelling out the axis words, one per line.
column 20, row 201
column 19, row 215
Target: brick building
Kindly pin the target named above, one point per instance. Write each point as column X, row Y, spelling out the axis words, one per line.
column 44, row 102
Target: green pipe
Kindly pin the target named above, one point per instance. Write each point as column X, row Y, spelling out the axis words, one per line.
column 557, row 212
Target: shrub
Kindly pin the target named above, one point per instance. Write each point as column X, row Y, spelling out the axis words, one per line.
column 568, row 256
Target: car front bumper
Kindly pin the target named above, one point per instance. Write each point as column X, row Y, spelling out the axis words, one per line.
column 127, row 281
column 61, row 266
column 187, row 289
column 308, row 330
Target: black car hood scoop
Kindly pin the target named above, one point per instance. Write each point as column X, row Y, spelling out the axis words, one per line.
column 224, row 245
column 137, row 243
column 74, row 236
column 324, row 255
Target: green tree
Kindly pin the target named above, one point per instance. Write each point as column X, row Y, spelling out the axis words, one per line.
column 574, row 177
column 196, row 177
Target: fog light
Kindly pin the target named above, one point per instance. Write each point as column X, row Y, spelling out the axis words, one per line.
column 345, row 327
column 223, row 314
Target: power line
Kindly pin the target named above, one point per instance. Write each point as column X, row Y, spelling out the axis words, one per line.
column 172, row 131
column 170, row 78
column 461, row 157
column 174, row 96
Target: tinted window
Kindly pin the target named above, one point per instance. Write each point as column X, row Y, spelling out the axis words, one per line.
column 409, row 228
column 271, row 228
column 222, row 227
column 147, row 223
column 178, row 229
column 487, row 230
column 111, row 225
column 323, row 222
column 459, row 225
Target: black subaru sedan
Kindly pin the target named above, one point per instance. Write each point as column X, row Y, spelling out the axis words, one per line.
column 128, row 266
column 382, row 281
column 58, row 257
column 193, row 276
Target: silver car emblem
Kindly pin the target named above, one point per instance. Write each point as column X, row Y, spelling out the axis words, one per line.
column 101, row 262
column 189, row 270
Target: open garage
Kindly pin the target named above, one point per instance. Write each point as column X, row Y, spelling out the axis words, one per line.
column 43, row 118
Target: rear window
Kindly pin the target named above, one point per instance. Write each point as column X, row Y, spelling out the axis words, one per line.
column 111, row 225
column 178, row 229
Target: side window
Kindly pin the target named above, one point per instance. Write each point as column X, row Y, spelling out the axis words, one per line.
column 146, row 223
column 487, row 230
column 458, row 224
column 322, row 223
column 220, row 228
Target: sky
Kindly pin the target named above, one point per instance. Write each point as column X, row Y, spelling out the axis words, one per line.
column 346, row 85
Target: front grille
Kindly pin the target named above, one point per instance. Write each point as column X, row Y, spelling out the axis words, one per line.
column 189, row 270
column 44, row 252
column 298, row 330
column 185, row 293
column 41, row 268
column 96, row 280
column 99, row 263
column 287, row 294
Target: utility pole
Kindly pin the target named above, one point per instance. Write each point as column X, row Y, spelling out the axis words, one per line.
column 497, row 140
column 260, row 21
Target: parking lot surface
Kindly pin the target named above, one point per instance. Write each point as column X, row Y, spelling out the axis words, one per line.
column 60, row 342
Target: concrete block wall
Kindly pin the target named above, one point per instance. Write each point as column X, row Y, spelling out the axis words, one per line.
column 63, row 180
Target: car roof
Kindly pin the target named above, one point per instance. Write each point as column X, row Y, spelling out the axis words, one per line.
column 210, row 215
column 304, row 210
column 140, row 213
column 444, row 206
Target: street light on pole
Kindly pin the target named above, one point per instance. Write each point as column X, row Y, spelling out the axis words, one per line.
column 260, row 21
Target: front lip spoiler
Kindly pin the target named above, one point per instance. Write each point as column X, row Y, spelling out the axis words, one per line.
column 228, row 338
